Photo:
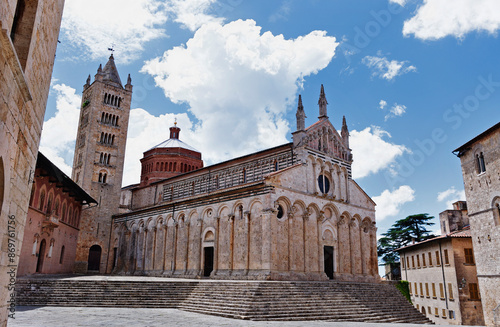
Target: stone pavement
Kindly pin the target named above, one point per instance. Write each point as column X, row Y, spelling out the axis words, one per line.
column 119, row 317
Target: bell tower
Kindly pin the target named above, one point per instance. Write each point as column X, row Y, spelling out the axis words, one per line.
column 98, row 162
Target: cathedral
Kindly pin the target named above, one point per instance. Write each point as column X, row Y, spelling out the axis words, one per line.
column 292, row 212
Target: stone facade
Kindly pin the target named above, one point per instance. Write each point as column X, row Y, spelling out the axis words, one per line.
column 480, row 160
column 98, row 161
column 443, row 280
column 52, row 226
column 28, row 40
column 290, row 212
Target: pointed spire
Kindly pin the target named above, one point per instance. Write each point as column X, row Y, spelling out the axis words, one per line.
column 88, row 80
column 129, row 80
column 345, row 132
column 300, row 115
column 322, row 103
column 111, row 73
column 99, row 70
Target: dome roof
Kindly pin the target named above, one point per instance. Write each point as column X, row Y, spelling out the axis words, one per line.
column 174, row 143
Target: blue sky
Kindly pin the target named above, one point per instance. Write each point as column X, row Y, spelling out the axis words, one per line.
column 415, row 80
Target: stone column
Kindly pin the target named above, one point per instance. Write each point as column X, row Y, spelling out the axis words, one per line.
column 154, row 229
column 187, row 223
column 165, row 227
column 216, row 250
column 266, row 239
column 231, row 242
column 247, row 222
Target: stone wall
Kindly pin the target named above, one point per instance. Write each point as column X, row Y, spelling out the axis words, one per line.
column 24, row 87
column 482, row 190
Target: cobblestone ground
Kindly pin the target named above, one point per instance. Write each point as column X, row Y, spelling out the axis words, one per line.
column 119, row 317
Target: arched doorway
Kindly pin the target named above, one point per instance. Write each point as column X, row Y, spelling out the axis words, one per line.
column 208, row 267
column 41, row 257
column 328, row 258
column 94, row 258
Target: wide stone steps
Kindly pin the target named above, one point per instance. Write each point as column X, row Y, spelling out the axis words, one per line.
column 256, row 300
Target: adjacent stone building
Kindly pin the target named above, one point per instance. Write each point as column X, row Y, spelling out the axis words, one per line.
column 480, row 160
column 52, row 226
column 441, row 272
column 288, row 212
column 28, row 40
column 98, row 161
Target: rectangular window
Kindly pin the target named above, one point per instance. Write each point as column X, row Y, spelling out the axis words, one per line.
column 429, row 310
column 421, row 290
column 438, row 262
column 450, row 291
column 433, row 290
column 436, row 312
column 451, row 314
column 427, row 289
column 409, row 284
column 408, row 262
column 444, row 313
column 441, row 291
column 413, row 261
column 446, row 260
column 474, row 292
column 469, row 257
column 430, row 259
column 418, row 307
column 423, row 260
column 416, row 289
column 418, row 260
column 403, row 264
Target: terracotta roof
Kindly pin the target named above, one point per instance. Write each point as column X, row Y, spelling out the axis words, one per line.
column 61, row 178
column 463, row 233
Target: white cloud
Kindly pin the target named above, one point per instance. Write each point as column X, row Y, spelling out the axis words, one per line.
column 238, row 83
column 397, row 110
column 390, row 203
column 402, row 3
column 59, row 132
column 436, row 19
column 192, row 14
column 382, row 104
column 387, row 69
column 94, row 25
column 451, row 196
column 371, row 152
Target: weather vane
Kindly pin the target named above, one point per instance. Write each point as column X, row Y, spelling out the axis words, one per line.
column 112, row 49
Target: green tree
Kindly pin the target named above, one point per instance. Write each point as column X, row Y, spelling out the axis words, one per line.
column 402, row 233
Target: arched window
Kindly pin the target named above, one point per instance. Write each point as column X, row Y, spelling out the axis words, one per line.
column 32, row 194
column 116, row 122
column 100, row 177
column 64, row 212
column 57, row 207
column 109, row 156
column 481, row 163
column 113, row 140
column 170, row 166
column 61, row 256
column 104, row 178
column 102, row 117
column 49, row 204
column 102, row 137
column 119, row 102
column 41, row 202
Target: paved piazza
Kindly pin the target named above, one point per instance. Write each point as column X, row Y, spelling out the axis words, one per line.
column 119, row 317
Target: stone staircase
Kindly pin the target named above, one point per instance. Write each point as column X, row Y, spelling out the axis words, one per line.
column 255, row 300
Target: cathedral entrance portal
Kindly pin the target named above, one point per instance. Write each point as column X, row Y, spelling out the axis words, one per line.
column 328, row 257
column 208, row 266
column 41, row 256
column 94, row 258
